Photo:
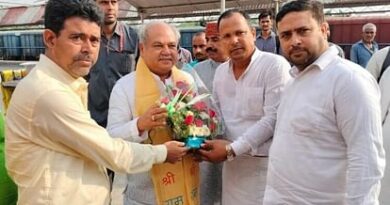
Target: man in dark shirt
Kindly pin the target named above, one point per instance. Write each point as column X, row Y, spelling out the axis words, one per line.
column 267, row 39
column 118, row 50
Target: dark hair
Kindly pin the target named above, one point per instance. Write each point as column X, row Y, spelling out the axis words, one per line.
column 315, row 7
column 230, row 12
column 266, row 13
column 200, row 33
column 57, row 11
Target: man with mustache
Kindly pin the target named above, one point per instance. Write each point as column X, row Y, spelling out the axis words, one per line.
column 211, row 179
column 247, row 89
column 55, row 152
column 206, row 69
column 327, row 147
column 199, row 48
column 133, row 115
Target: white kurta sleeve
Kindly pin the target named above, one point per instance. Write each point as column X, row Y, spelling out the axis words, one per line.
column 384, row 85
column 121, row 122
column 263, row 129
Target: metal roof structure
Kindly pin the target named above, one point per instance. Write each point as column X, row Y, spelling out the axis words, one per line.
column 31, row 12
column 186, row 8
column 22, row 15
column 14, row 3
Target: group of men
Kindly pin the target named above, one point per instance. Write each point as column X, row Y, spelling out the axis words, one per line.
column 313, row 138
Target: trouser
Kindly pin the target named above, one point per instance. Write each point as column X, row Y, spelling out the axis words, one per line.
column 244, row 180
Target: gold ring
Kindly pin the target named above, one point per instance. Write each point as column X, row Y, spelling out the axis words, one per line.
column 152, row 117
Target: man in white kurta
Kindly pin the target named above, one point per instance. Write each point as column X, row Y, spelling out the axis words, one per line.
column 327, row 147
column 375, row 64
column 123, row 124
column 248, row 103
column 122, row 120
column 384, row 84
column 203, row 73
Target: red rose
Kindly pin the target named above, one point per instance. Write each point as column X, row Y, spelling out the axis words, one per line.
column 198, row 122
column 199, row 106
column 182, row 85
column 212, row 126
column 165, row 100
column 211, row 113
column 174, row 92
column 189, row 119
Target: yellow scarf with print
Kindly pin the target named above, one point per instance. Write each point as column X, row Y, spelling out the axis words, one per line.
column 173, row 183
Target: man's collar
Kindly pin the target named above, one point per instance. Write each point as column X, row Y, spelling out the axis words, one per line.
column 117, row 29
column 271, row 35
column 54, row 70
column 321, row 62
column 254, row 55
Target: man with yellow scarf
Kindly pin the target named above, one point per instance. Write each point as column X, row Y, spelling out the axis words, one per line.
column 134, row 116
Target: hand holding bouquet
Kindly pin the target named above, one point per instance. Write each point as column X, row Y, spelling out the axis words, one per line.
column 190, row 115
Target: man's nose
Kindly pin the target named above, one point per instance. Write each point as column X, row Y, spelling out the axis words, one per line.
column 234, row 39
column 165, row 50
column 296, row 39
column 87, row 46
column 197, row 49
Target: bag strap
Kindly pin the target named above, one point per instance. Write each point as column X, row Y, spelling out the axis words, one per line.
column 385, row 65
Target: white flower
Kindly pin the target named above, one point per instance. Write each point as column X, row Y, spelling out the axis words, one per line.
column 180, row 105
column 204, row 116
column 189, row 113
column 205, row 131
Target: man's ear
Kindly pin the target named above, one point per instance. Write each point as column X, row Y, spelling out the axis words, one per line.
column 253, row 32
column 141, row 47
column 49, row 38
column 324, row 29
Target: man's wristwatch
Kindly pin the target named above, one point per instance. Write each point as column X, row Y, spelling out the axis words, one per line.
column 229, row 153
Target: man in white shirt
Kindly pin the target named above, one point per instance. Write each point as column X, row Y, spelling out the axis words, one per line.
column 247, row 90
column 158, row 51
column 379, row 62
column 204, row 72
column 55, row 152
column 327, row 146
column 384, row 85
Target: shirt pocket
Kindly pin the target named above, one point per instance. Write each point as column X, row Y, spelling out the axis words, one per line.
column 251, row 102
column 125, row 60
column 129, row 62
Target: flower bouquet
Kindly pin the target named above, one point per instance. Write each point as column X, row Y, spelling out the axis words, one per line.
column 190, row 115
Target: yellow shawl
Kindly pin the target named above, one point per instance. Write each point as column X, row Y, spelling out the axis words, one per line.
column 173, row 183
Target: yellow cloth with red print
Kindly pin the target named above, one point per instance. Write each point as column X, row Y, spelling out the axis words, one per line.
column 173, row 183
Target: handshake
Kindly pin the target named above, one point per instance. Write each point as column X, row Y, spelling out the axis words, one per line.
column 216, row 150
